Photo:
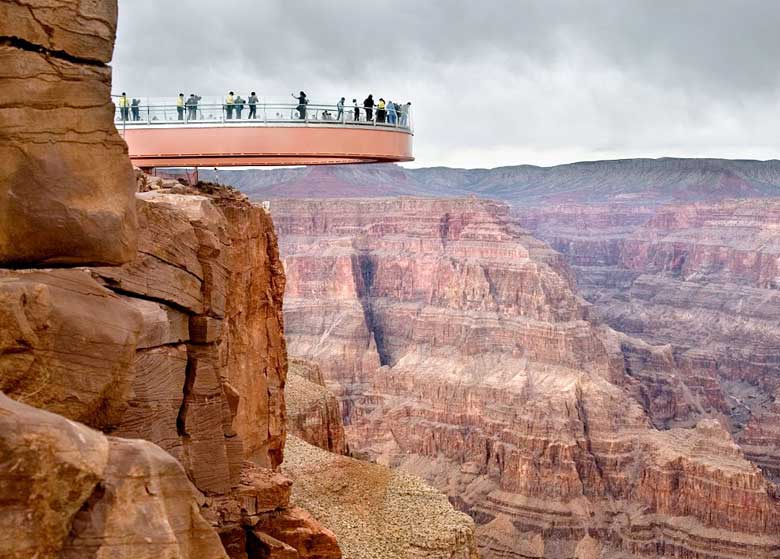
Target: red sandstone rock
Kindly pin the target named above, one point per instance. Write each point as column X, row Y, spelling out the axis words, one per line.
column 699, row 277
column 313, row 412
column 498, row 387
column 297, row 529
column 67, row 344
column 80, row 28
column 70, row 492
column 66, row 185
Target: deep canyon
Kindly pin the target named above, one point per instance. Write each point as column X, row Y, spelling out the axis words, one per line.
column 143, row 363
column 580, row 361
column 616, row 395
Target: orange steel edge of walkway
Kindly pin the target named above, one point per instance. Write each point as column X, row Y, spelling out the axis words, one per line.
column 230, row 146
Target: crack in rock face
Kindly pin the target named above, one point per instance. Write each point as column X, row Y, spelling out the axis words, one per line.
column 66, row 184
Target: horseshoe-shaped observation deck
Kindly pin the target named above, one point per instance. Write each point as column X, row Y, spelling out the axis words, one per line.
column 217, row 135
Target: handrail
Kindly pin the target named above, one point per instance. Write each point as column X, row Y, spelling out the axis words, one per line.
column 263, row 114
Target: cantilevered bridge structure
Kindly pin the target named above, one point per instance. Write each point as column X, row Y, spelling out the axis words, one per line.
column 213, row 135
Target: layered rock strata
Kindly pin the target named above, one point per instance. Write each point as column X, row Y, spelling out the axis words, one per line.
column 459, row 351
column 66, row 184
column 313, row 412
column 702, row 278
column 183, row 347
column 211, row 367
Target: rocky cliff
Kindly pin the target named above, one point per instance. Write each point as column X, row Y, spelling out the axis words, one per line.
column 702, row 278
column 373, row 511
column 182, row 346
column 169, row 330
column 459, row 351
column 66, row 185
column 313, row 413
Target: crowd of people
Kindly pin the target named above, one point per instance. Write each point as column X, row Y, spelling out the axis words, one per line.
column 381, row 111
column 384, row 111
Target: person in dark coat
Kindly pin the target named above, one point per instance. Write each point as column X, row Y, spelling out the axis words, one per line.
column 192, row 106
column 302, row 102
column 135, row 109
column 238, row 106
column 253, row 105
column 368, row 105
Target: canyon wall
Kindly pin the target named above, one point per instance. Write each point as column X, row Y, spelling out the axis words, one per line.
column 373, row 511
column 459, row 351
column 700, row 278
column 182, row 346
column 629, row 182
column 313, row 412
column 142, row 403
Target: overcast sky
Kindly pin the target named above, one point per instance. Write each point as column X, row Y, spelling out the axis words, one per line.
column 491, row 82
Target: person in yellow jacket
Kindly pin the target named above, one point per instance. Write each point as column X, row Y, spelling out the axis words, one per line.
column 380, row 110
column 180, row 106
column 229, row 102
column 124, row 106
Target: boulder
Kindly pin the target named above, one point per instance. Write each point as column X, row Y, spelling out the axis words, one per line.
column 72, row 493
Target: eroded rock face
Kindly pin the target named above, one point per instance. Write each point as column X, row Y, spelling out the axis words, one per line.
column 66, row 184
column 67, row 344
column 313, row 412
column 373, row 511
column 702, row 278
column 182, row 346
column 71, row 492
column 211, row 266
column 459, row 351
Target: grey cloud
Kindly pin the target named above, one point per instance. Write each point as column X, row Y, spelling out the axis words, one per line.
column 522, row 81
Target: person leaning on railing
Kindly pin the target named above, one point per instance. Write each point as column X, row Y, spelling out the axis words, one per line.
column 368, row 105
column 238, row 105
column 391, row 114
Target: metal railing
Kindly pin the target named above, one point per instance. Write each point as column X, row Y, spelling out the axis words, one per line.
column 260, row 114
